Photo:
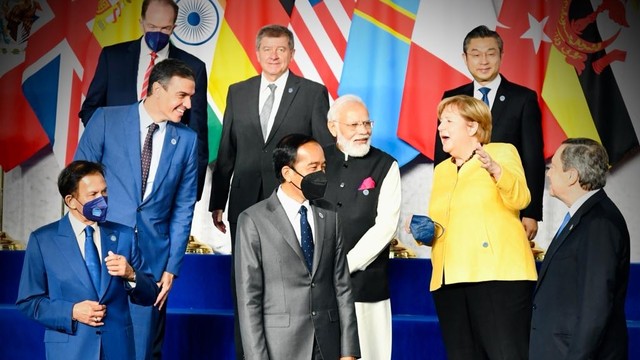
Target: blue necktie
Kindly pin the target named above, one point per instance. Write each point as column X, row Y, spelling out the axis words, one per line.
column 564, row 223
column 306, row 237
column 485, row 92
column 92, row 258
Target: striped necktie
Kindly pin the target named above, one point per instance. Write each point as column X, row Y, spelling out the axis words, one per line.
column 145, row 82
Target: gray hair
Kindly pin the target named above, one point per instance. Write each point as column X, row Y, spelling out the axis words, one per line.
column 274, row 31
column 590, row 160
column 332, row 115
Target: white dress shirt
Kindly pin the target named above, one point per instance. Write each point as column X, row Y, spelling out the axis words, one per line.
column 492, row 94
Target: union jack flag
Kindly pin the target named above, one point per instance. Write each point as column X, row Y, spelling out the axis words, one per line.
column 41, row 85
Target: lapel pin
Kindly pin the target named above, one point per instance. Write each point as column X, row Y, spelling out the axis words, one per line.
column 321, row 215
column 174, row 141
column 113, row 237
column 290, row 90
column 502, row 98
column 365, row 192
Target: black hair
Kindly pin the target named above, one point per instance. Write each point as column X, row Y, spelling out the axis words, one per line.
column 286, row 152
column 166, row 69
column 71, row 175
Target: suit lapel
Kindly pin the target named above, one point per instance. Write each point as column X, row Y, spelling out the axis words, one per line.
column 132, row 144
column 130, row 64
column 499, row 105
column 288, row 94
column 319, row 217
column 253, row 104
column 171, row 141
column 278, row 218
column 557, row 242
column 109, row 242
column 468, row 89
column 66, row 242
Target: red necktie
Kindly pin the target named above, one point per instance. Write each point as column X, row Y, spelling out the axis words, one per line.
column 145, row 82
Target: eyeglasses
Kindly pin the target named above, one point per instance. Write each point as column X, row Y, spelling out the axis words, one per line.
column 353, row 126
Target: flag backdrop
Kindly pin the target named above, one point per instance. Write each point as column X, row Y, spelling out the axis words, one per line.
column 398, row 55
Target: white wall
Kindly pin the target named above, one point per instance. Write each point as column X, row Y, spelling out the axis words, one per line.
column 31, row 199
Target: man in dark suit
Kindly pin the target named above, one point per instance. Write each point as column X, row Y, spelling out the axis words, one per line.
column 298, row 106
column 120, row 75
column 292, row 279
column 79, row 272
column 578, row 304
column 159, row 205
column 516, row 116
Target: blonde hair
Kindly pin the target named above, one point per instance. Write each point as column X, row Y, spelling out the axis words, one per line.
column 471, row 109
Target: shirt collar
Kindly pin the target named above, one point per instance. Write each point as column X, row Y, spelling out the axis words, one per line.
column 492, row 85
column 291, row 206
column 280, row 82
column 581, row 200
column 146, row 120
column 78, row 226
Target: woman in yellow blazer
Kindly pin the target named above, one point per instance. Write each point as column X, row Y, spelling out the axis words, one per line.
column 483, row 268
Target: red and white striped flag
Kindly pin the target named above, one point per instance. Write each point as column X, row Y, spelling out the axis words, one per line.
column 321, row 29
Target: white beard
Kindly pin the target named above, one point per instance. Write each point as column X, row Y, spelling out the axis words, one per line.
column 352, row 149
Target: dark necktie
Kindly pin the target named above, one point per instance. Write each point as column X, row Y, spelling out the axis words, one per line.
column 564, row 223
column 146, row 155
column 306, row 237
column 91, row 257
column 485, row 97
column 266, row 111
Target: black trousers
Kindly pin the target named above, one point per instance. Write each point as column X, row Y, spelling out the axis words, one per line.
column 485, row 320
column 157, row 339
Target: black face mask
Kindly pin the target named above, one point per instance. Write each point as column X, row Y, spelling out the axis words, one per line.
column 313, row 185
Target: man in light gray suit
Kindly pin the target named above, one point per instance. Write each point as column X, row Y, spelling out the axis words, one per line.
column 292, row 281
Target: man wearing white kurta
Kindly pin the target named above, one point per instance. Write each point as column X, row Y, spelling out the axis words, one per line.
column 364, row 186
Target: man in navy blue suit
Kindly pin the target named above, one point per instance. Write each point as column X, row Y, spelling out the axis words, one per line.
column 79, row 272
column 160, row 204
column 578, row 303
column 120, row 74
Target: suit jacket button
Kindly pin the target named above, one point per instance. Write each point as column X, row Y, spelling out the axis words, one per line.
column 339, row 204
column 534, row 306
column 313, row 313
column 341, row 185
column 313, row 285
column 98, row 332
column 485, row 244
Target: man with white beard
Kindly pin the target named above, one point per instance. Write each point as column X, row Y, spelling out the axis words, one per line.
column 364, row 186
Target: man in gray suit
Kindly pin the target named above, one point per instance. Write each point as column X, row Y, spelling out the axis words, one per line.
column 293, row 288
column 259, row 112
